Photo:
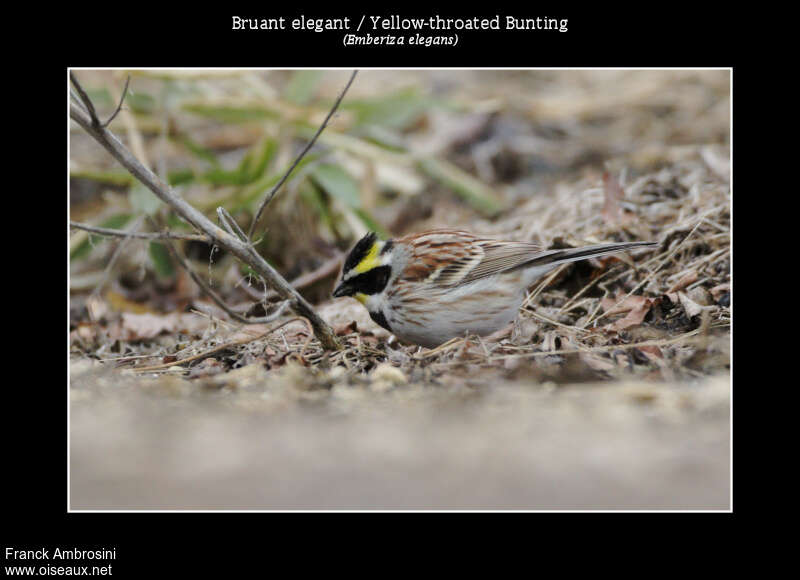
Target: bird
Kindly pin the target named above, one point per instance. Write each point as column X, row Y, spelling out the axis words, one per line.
column 427, row 288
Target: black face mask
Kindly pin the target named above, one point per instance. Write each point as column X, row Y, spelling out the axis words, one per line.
column 372, row 282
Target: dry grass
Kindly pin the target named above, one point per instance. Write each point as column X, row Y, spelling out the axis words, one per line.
column 685, row 207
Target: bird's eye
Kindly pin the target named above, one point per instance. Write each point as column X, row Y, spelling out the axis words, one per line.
column 372, row 282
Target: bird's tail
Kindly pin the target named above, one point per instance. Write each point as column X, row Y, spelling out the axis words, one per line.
column 554, row 257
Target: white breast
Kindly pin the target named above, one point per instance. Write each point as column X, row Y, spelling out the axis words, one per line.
column 481, row 307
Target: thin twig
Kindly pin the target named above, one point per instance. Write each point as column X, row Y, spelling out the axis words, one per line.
column 216, row 298
column 115, row 255
column 121, row 100
column 193, row 216
column 543, row 285
column 227, row 221
column 584, row 289
column 212, row 318
column 305, row 150
column 87, row 102
column 330, row 267
column 555, row 323
column 141, row 235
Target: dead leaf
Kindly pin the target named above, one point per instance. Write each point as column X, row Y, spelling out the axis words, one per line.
column 634, row 302
column 613, row 213
column 691, row 307
column 651, row 352
column 686, row 279
column 597, row 362
column 634, row 318
column 144, row 326
column 344, row 329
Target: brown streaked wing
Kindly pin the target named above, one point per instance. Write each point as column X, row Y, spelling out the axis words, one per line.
column 501, row 257
column 461, row 257
column 438, row 250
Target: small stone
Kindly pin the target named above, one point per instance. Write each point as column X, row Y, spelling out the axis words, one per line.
column 549, row 387
column 298, row 376
column 248, row 376
column 388, row 373
column 337, row 374
column 380, row 386
column 169, row 385
column 342, row 391
column 80, row 366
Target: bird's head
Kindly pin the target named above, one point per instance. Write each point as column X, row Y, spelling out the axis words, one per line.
column 367, row 268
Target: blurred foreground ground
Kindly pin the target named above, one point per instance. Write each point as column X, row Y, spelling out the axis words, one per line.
column 167, row 444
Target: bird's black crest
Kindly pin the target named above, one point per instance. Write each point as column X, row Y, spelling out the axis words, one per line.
column 360, row 250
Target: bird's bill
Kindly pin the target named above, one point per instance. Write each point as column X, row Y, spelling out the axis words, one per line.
column 343, row 289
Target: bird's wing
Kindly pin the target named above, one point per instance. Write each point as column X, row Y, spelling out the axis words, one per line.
column 497, row 257
column 504, row 256
column 450, row 258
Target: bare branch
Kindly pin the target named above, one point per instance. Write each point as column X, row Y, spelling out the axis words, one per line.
column 140, row 235
column 308, row 147
column 87, row 102
column 193, row 216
